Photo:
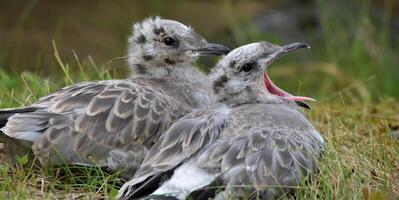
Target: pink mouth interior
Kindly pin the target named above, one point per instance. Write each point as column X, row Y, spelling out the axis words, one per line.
column 273, row 89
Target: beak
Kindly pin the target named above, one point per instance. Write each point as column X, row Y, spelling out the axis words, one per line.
column 284, row 50
column 292, row 47
column 271, row 87
column 213, row 49
column 303, row 104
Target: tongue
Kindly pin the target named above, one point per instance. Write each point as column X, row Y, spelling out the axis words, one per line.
column 273, row 89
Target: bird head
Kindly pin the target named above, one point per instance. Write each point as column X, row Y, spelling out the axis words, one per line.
column 157, row 42
column 242, row 74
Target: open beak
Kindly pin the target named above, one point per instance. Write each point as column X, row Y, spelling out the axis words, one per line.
column 272, row 88
column 213, row 49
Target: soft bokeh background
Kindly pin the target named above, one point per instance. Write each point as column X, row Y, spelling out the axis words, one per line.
column 354, row 61
column 354, row 56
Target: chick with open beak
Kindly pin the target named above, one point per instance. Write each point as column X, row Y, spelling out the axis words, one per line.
column 253, row 143
column 246, row 70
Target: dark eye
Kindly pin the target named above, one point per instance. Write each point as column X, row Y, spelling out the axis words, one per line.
column 168, row 41
column 247, row 67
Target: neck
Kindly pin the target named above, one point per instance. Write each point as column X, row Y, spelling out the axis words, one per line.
column 181, row 72
column 145, row 71
column 182, row 80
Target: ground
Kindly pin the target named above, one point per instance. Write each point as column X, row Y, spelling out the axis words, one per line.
column 360, row 160
column 352, row 70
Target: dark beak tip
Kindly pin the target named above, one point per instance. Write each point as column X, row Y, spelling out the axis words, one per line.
column 221, row 49
column 306, row 46
column 215, row 49
column 295, row 46
column 303, row 105
column 302, row 46
column 227, row 50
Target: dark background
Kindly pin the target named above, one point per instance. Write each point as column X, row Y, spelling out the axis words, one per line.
column 354, row 51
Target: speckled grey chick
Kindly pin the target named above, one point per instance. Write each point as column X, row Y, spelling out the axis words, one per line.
column 255, row 142
column 113, row 122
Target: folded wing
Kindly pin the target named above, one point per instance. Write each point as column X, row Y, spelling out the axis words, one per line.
column 186, row 137
column 84, row 122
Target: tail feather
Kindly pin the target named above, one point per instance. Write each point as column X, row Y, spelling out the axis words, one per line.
column 209, row 191
column 3, row 121
column 4, row 118
column 9, row 146
column 18, row 110
column 159, row 197
column 7, row 113
column 144, row 187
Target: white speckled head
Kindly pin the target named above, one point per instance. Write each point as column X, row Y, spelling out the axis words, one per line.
column 157, row 42
column 246, row 63
column 241, row 75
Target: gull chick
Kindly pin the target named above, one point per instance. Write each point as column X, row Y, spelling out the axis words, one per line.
column 255, row 142
column 113, row 122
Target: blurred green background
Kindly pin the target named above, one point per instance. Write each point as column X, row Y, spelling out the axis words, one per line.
column 354, row 55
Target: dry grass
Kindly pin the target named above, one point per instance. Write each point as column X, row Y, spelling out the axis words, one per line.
column 356, row 58
column 360, row 160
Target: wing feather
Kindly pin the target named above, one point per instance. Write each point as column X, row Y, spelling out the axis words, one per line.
column 268, row 153
column 89, row 119
column 187, row 136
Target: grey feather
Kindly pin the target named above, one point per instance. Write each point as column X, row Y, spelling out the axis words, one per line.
column 258, row 140
column 182, row 140
column 260, row 155
column 82, row 123
column 98, row 119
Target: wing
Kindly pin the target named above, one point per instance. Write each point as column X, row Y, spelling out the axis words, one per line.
column 273, row 152
column 181, row 141
column 6, row 113
column 73, row 97
column 84, row 122
column 68, row 99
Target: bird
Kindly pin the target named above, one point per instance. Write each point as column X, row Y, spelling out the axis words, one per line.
column 254, row 141
column 112, row 123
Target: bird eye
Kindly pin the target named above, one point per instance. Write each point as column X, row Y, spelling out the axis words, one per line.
column 168, row 41
column 247, row 67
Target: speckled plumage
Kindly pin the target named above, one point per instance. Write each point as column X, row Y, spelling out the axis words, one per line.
column 251, row 142
column 113, row 122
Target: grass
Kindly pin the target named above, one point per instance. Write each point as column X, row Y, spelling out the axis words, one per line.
column 360, row 157
column 360, row 160
column 353, row 45
column 352, row 72
column 27, row 180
